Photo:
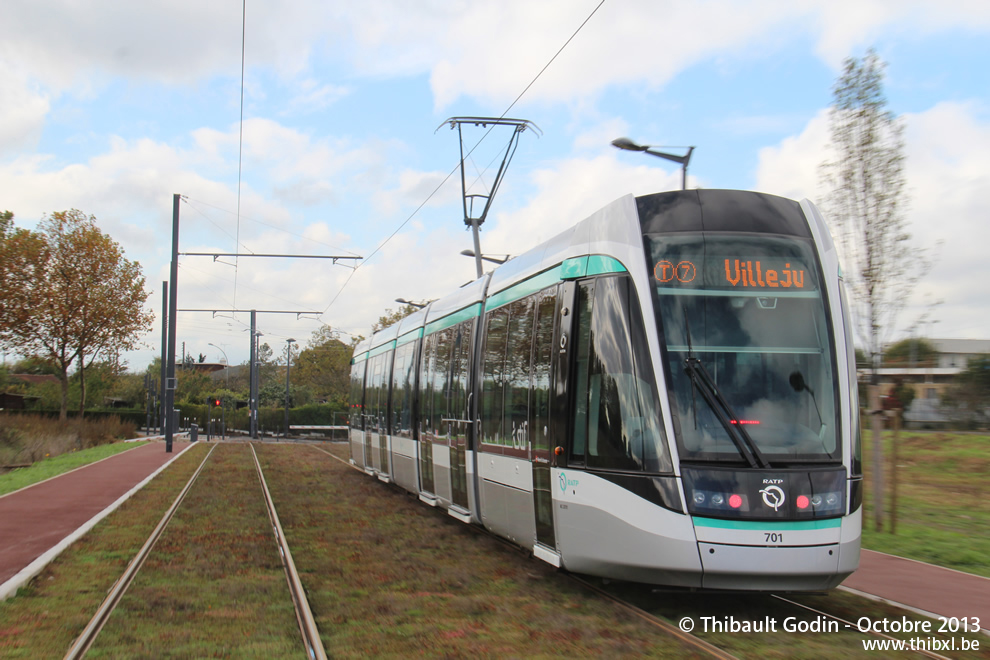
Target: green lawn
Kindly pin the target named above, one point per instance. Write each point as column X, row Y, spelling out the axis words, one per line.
column 52, row 467
column 942, row 513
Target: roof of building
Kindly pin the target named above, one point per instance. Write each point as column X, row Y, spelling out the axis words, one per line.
column 36, row 379
column 962, row 346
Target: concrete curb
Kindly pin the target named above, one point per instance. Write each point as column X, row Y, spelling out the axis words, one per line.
column 10, row 587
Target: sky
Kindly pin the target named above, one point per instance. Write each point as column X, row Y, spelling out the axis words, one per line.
column 111, row 108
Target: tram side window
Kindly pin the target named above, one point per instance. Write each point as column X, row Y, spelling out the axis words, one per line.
column 493, row 385
column 617, row 422
column 460, row 366
column 539, row 403
column 518, row 360
column 441, row 381
column 402, row 389
column 374, row 400
column 357, row 394
column 426, row 369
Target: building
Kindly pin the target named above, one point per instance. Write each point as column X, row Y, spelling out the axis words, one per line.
column 930, row 379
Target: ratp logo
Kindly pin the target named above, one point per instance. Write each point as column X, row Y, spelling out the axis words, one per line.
column 773, row 496
column 565, row 482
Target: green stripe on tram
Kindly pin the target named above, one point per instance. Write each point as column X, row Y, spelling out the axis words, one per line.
column 465, row 314
column 524, row 288
column 756, row 525
column 595, row 264
column 570, row 269
column 387, row 346
column 409, row 337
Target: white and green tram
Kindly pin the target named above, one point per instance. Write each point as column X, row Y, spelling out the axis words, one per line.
column 663, row 393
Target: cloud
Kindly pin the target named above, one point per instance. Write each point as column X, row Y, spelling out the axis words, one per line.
column 569, row 191
column 314, row 97
column 171, row 41
column 790, row 169
column 947, row 177
column 488, row 52
column 23, row 110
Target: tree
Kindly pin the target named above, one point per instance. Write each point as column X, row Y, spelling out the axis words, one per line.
column 910, row 352
column 391, row 318
column 866, row 200
column 75, row 296
column 968, row 400
column 324, row 366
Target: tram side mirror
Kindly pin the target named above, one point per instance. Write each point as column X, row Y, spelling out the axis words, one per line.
column 797, row 381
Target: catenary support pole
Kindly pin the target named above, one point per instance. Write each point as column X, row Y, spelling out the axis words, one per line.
column 164, row 364
column 172, row 305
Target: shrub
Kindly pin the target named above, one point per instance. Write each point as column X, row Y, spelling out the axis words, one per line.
column 28, row 438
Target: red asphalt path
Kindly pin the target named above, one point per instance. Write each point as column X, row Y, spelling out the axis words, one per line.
column 932, row 589
column 37, row 518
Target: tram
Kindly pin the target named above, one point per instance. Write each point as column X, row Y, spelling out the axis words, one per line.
column 663, row 393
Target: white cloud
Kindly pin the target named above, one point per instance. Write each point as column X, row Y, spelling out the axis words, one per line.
column 790, row 169
column 947, row 178
column 568, row 192
column 485, row 51
column 22, row 111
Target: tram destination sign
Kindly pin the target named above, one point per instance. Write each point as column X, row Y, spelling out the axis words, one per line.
column 733, row 272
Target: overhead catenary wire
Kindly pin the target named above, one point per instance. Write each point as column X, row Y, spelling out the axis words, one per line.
column 192, row 203
column 240, row 142
column 471, row 151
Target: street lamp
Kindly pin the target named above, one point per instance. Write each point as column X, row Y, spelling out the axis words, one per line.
column 288, row 363
column 226, row 368
column 403, row 301
column 496, row 260
column 629, row 145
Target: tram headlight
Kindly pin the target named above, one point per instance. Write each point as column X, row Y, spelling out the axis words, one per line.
column 816, row 501
column 831, row 499
column 718, row 499
column 699, row 497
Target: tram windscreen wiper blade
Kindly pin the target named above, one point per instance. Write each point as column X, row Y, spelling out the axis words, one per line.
column 702, row 380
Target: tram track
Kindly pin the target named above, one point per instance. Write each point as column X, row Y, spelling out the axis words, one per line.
column 303, row 613
column 850, row 624
column 701, row 644
column 95, row 625
column 691, row 640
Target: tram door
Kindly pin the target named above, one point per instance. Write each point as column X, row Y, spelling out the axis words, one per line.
column 540, row 425
column 458, row 412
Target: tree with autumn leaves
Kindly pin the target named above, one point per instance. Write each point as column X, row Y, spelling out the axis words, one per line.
column 69, row 295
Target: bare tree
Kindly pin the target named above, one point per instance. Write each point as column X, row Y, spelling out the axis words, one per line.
column 867, row 200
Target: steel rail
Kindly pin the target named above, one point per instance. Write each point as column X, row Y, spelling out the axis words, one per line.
column 95, row 625
column 650, row 618
column 304, row 615
column 684, row 636
column 850, row 624
column 657, row 622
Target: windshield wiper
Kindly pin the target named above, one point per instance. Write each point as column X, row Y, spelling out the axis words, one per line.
column 703, row 382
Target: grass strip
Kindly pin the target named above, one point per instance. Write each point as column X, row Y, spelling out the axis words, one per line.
column 214, row 584
column 52, row 467
column 820, row 638
column 46, row 616
column 942, row 515
column 388, row 576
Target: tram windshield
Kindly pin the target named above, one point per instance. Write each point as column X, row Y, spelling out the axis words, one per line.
column 748, row 344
